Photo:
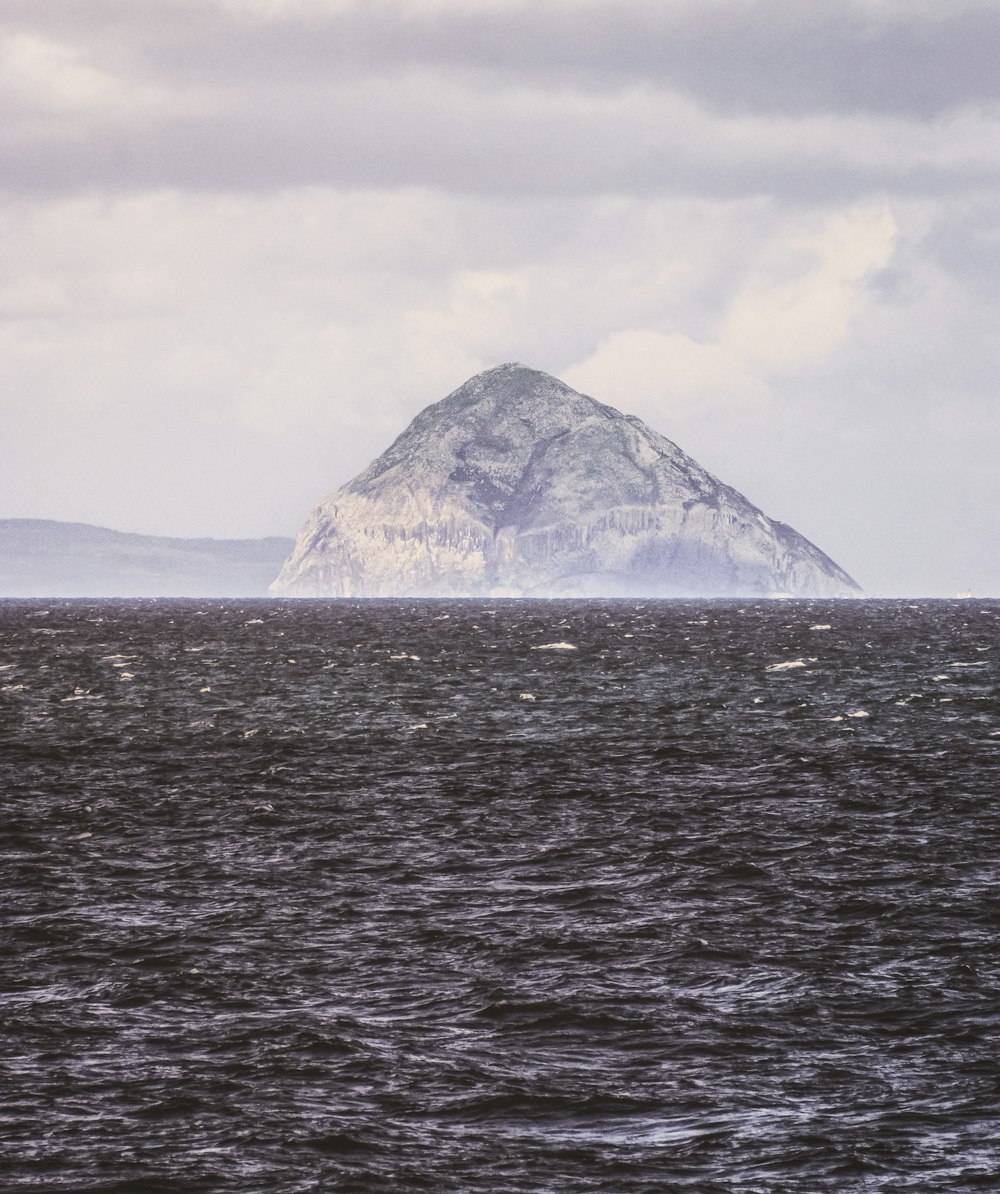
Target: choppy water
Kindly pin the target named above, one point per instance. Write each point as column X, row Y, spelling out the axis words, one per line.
column 397, row 896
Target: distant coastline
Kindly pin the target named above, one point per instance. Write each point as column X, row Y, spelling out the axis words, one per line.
column 46, row 558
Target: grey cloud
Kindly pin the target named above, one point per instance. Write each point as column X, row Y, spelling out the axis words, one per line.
column 776, row 55
column 528, row 101
column 792, row 58
column 966, row 244
column 418, row 132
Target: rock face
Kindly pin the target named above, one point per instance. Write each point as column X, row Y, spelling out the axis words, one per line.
column 516, row 485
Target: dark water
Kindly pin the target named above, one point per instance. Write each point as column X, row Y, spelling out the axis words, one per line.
column 311, row 897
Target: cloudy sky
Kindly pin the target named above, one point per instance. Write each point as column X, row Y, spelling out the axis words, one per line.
column 243, row 242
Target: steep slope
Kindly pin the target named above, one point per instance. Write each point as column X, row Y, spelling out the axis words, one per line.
column 44, row 558
column 517, row 485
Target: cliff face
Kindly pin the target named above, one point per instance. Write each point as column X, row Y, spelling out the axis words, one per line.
column 516, row 485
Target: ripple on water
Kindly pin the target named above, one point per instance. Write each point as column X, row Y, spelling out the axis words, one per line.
column 524, row 895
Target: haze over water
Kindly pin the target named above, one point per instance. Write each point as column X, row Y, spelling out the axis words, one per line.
column 519, row 896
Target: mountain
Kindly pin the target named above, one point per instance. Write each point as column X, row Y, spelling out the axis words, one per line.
column 516, row 485
column 41, row 558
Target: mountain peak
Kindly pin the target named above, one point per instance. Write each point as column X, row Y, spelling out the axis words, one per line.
column 511, row 383
column 516, row 484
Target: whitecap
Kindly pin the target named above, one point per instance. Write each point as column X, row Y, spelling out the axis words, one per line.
column 555, row 647
column 786, row 666
column 859, row 713
column 821, row 626
column 526, row 696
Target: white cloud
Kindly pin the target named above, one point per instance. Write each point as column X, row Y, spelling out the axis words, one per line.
column 667, row 377
column 455, row 336
column 56, row 89
column 806, row 317
column 52, row 77
column 803, row 290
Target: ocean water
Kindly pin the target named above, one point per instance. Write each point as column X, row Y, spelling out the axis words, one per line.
column 461, row 896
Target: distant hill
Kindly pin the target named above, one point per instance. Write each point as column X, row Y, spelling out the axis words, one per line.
column 516, row 485
column 42, row 558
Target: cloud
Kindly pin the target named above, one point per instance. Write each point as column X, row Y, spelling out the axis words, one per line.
column 912, row 59
column 806, row 317
column 667, row 377
column 552, row 98
column 797, row 305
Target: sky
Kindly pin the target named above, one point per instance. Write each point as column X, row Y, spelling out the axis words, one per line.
column 244, row 242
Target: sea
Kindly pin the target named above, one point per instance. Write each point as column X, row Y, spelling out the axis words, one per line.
column 509, row 896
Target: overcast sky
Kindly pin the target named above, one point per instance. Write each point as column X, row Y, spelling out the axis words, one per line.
column 243, row 242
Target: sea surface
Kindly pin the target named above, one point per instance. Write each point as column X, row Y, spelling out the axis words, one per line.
column 501, row 897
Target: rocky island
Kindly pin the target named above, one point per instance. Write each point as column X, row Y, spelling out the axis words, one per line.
column 516, row 485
